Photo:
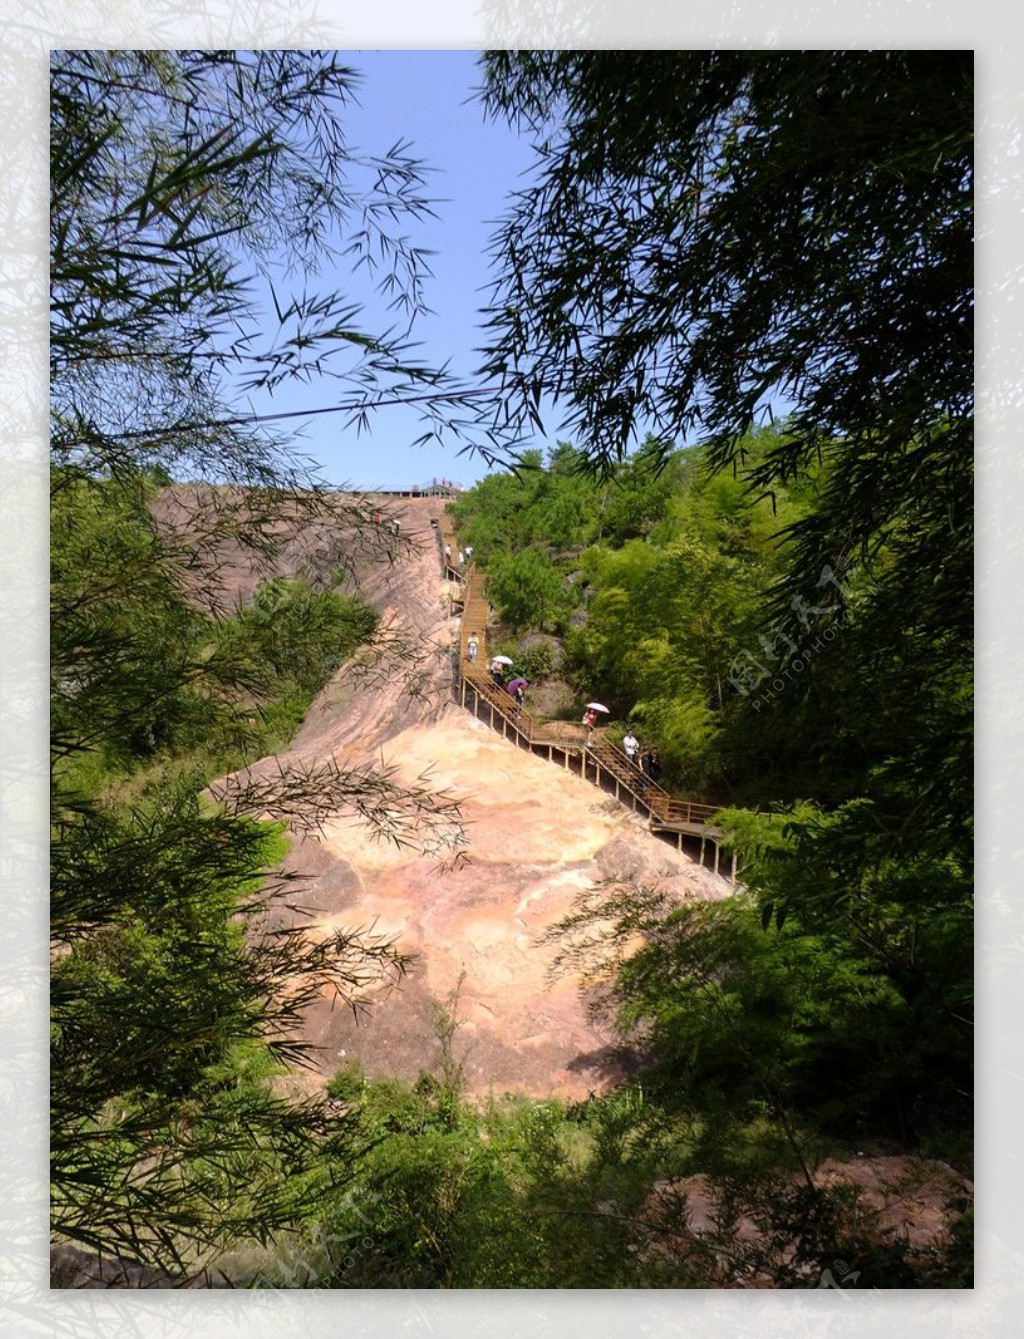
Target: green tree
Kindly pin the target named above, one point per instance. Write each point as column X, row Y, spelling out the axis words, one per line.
column 191, row 190
column 637, row 494
column 710, row 228
column 186, row 187
column 711, row 233
column 525, row 588
column 708, row 231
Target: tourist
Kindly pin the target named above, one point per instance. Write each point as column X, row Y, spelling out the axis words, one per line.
column 651, row 764
column 589, row 720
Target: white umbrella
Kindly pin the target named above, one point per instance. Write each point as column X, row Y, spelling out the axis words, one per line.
column 502, row 660
column 595, row 706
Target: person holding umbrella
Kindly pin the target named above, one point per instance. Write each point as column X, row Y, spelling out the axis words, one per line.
column 517, row 687
column 498, row 664
column 590, row 719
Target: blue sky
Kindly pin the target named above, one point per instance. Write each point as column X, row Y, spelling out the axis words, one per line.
column 424, row 97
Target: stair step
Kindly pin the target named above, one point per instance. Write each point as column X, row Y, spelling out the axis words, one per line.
column 658, row 802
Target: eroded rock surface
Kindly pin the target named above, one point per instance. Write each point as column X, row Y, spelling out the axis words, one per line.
column 536, row 836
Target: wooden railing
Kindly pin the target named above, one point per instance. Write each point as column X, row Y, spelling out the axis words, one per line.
column 590, row 754
column 417, row 490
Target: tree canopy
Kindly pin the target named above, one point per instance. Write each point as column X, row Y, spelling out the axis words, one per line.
column 709, row 233
column 708, row 229
column 187, row 188
column 709, row 239
column 196, row 197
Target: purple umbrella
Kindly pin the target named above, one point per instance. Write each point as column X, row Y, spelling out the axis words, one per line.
column 513, row 684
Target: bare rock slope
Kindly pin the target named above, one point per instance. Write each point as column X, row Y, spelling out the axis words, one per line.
column 536, row 835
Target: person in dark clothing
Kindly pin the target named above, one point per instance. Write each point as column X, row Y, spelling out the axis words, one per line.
column 651, row 764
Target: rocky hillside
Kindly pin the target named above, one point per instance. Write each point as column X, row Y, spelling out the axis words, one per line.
column 533, row 835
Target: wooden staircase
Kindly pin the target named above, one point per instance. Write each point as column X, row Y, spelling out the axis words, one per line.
column 596, row 760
